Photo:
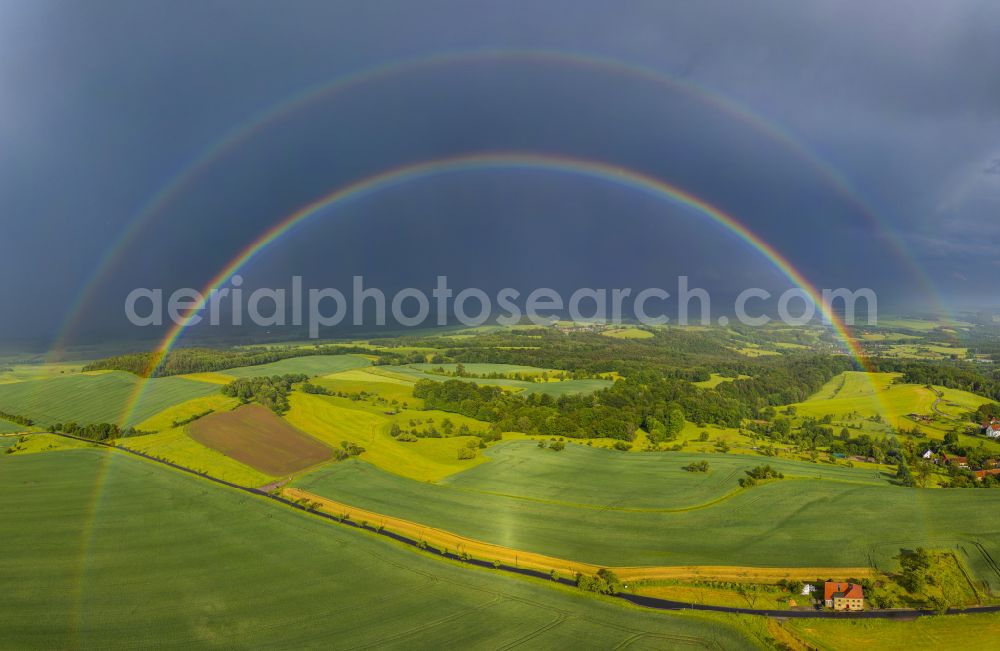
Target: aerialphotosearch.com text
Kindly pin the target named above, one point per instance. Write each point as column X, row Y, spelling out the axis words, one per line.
column 233, row 304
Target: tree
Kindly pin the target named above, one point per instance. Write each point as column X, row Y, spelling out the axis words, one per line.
column 675, row 422
column 604, row 582
column 903, row 475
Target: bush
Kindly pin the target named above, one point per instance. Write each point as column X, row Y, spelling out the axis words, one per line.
column 697, row 466
column 466, row 453
column 557, row 446
column 624, row 446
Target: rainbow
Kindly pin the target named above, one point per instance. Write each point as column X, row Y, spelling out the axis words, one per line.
column 254, row 124
column 494, row 161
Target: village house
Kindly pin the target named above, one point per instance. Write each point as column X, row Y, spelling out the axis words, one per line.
column 982, row 473
column 992, row 428
column 844, row 596
column 961, row 462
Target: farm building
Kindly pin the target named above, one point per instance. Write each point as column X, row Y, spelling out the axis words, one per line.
column 983, row 473
column 992, row 428
column 843, row 596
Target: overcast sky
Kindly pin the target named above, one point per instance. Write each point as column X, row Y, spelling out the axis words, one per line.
column 874, row 151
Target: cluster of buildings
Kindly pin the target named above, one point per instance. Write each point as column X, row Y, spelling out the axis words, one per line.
column 991, row 466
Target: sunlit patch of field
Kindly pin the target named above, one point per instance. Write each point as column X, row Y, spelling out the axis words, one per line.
column 210, row 377
column 366, row 375
column 716, row 379
column 925, row 351
column 333, row 420
column 887, row 336
column 791, row 346
column 22, row 372
column 176, row 446
column 388, row 388
column 754, row 350
column 910, row 324
column 628, row 333
column 167, row 418
column 769, row 597
column 858, row 395
column 48, row 442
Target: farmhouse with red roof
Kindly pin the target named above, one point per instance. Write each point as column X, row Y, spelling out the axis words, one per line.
column 843, row 596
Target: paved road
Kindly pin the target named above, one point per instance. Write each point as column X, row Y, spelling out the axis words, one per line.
column 640, row 600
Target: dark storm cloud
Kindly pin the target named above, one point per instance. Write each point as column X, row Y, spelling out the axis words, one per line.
column 101, row 103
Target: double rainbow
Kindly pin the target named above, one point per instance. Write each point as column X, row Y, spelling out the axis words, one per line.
column 244, row 131
column 498, row 161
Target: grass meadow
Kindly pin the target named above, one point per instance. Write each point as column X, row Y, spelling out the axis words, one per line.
column 333, row 420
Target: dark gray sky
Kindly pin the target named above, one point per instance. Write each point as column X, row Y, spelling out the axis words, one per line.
column 103, row 103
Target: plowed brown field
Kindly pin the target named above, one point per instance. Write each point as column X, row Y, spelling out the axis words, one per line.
column 262, row 440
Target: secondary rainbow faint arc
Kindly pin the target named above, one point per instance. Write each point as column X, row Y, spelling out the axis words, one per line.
column 247, row 128
column 507, row 160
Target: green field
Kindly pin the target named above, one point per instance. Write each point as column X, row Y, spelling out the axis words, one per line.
column 789, row 523
column 104, row 397
column 103, row 550
column 7, row 427
column 309, row 365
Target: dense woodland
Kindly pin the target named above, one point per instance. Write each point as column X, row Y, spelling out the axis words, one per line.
column 658, row 403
